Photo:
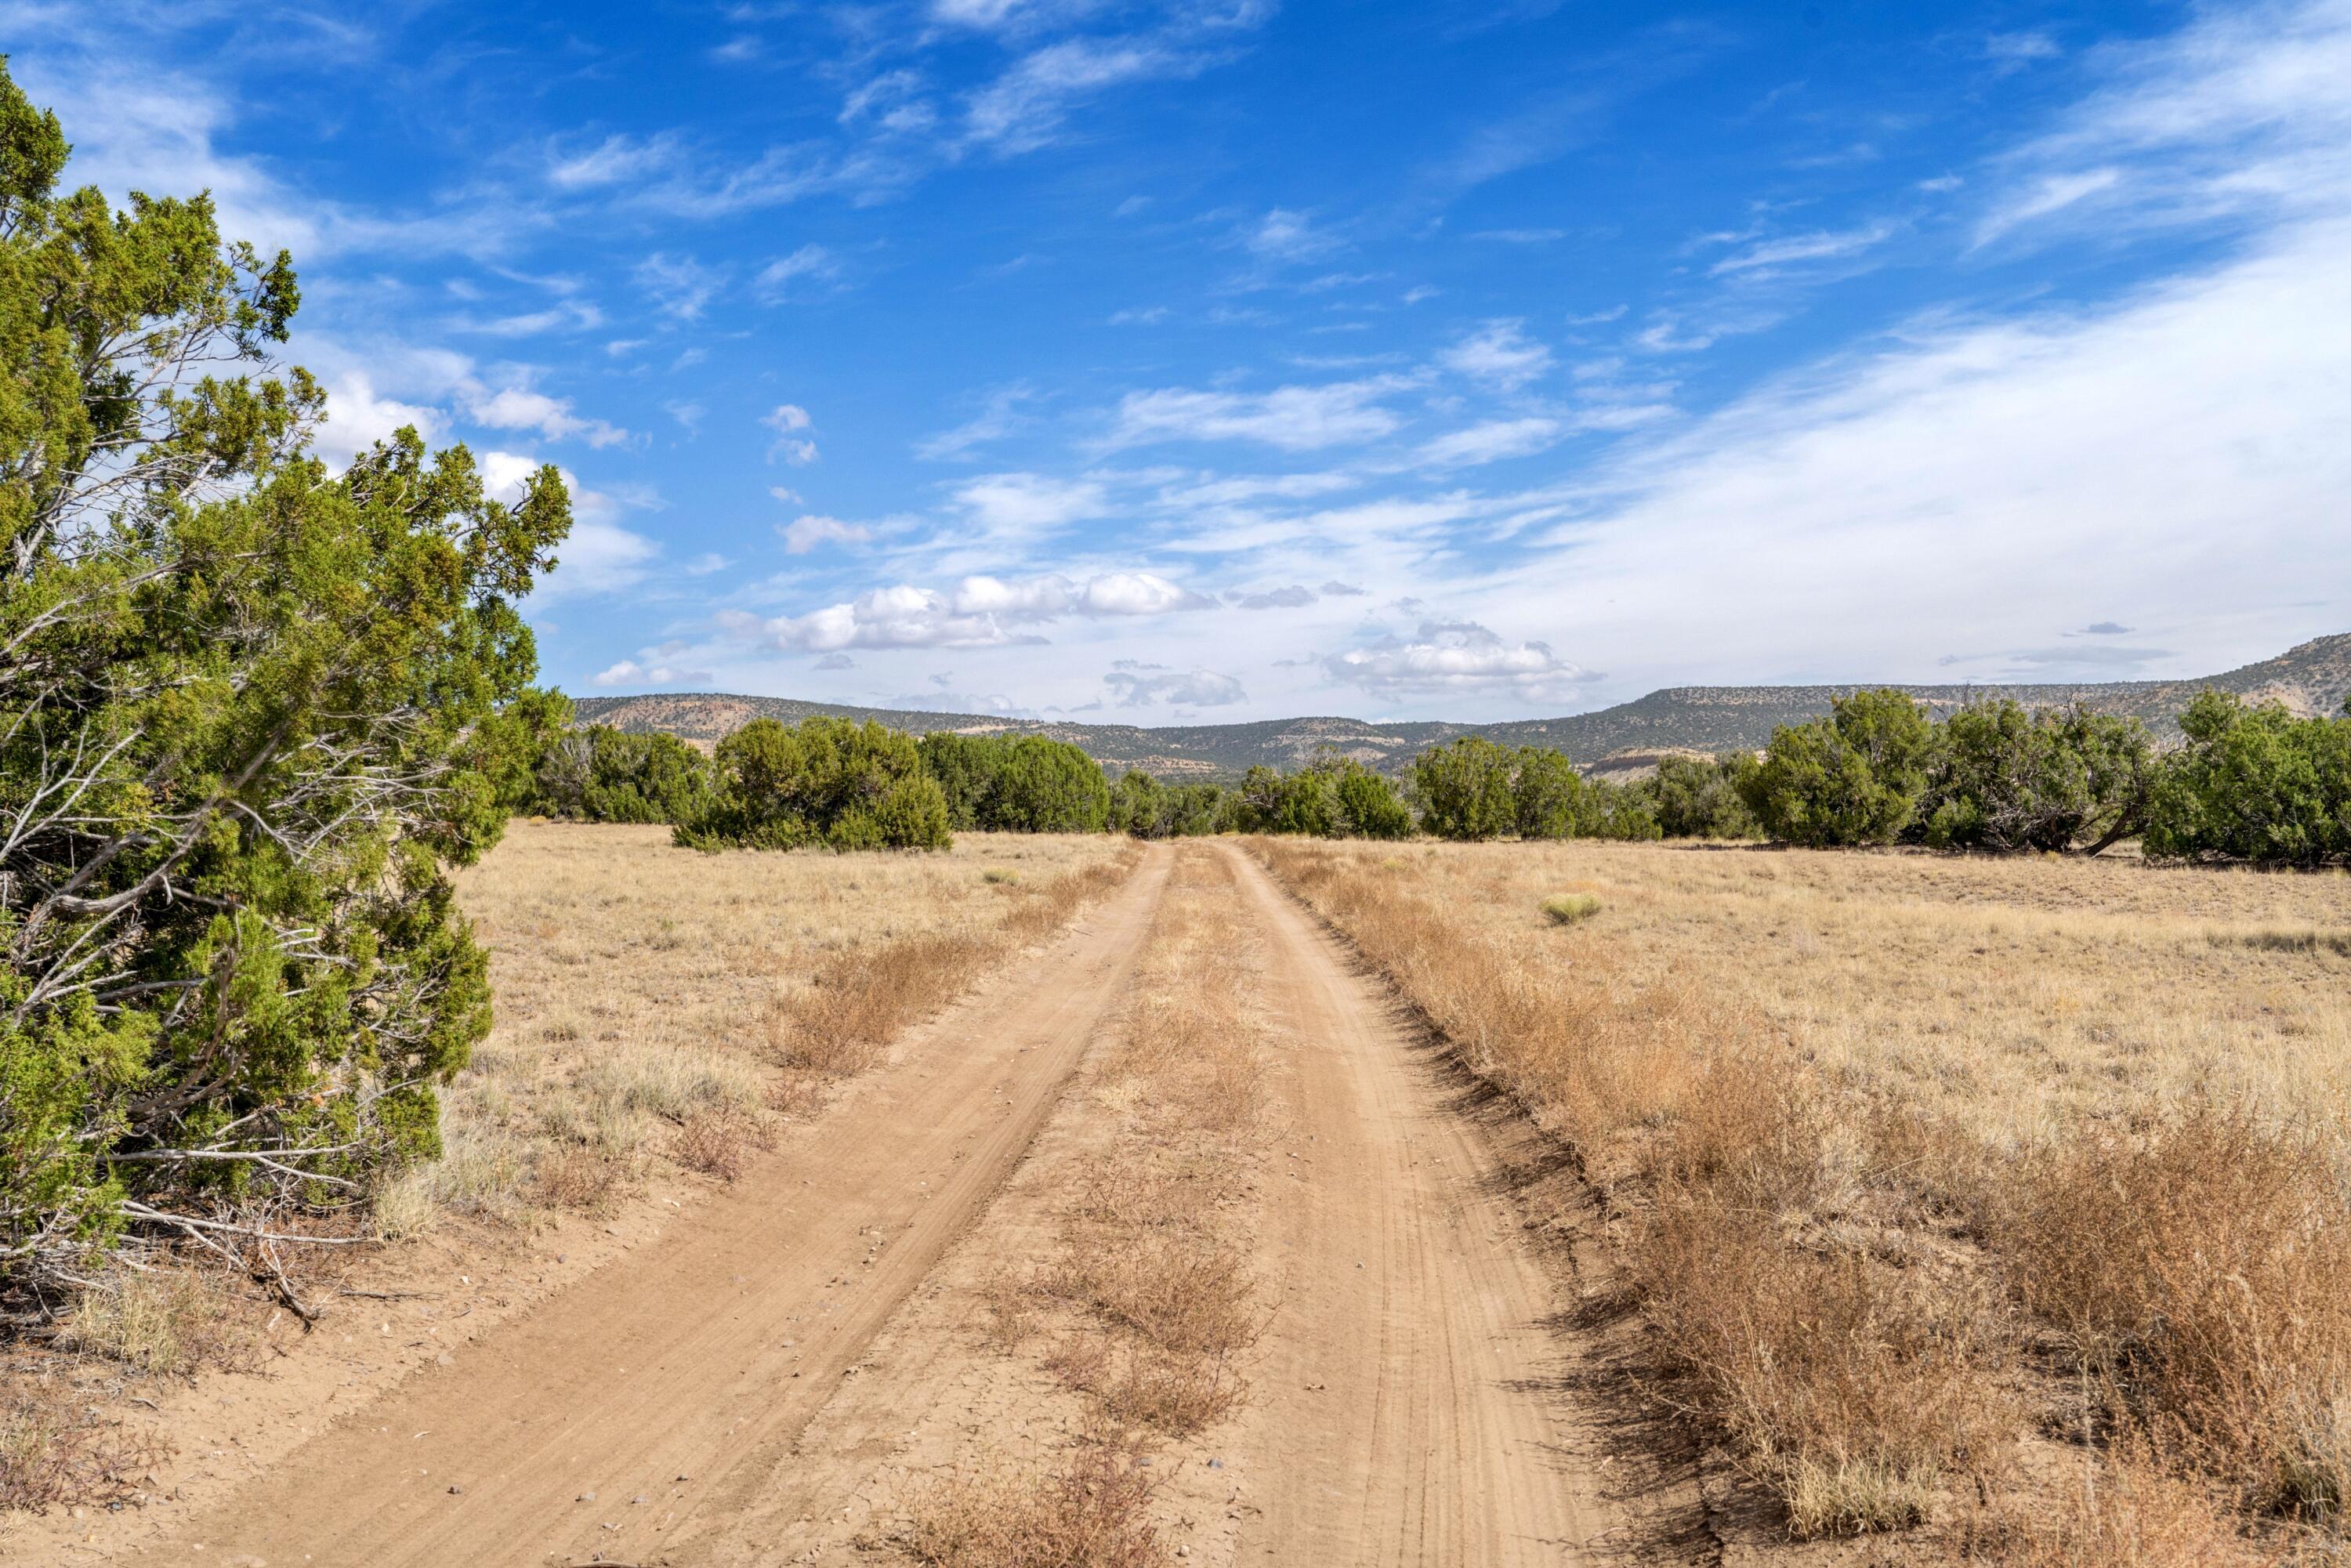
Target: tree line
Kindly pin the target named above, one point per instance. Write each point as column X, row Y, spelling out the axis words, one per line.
column 2251, row 783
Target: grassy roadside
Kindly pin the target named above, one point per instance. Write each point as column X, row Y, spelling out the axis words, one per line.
column 2102, row 1323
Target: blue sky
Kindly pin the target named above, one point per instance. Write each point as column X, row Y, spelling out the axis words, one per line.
column 1231, row 359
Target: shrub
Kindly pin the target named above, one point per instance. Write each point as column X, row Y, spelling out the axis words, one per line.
column 825, row 781
column 1854, row 776
column 1466, row 789
column 1571, row 908
column 600, row 775
column 1369, row 806
column 1698, row 798
column 1142, row 807
column 1016, row 784
column 1304, row 803
column 250, row 709
column 2255, row 784
column 2007, row 777
column 1549, row 799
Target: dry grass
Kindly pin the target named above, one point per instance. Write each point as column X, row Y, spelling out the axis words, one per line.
column 1878, row 1125
column 1092, row 1511
column 660, row 1009
column 167, row 1320
column 56, row 1451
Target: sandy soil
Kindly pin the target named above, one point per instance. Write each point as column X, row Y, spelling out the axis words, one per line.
column 763, row 1380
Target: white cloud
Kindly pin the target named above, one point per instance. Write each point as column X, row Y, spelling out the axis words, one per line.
column 1456, row 657
column 813, row 263
column 1138, row 683
column 1294, row 418
column 803, row 534
column 2181, row 450
column 981, row 612
column 357, row 418
column 1020, row 111
column 1500, row 353
column 1012, row 508
column 1489, row 442
column 786, row 419
column 2050, row 194
column 1822, row 245
column 1283, row 234
column 630, row 673
column 521, row 408
column 997, row 418
column 680, row 284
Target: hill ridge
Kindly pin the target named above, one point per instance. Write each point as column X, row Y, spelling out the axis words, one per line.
column 2312, row 677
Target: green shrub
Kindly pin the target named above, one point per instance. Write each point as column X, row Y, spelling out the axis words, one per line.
column 824, row 781
column 1549, row 799
column 2256, row 785
column 1465, row 788
column 1016, row 784
column 1854, row 776
column 1145, row 809
column 250, row 711
column 2006, row 778
column 600, row 775
column 1698, row 798
column 1369, row 806
column 1571, row 908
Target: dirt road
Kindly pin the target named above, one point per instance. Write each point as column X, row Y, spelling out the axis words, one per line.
column 1410, row 1383
column 1407, row 1411
column 675, row 1380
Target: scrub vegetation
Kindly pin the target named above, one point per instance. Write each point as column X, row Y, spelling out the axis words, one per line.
column 1999, row 1201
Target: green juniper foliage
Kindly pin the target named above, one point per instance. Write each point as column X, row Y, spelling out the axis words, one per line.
column 1466, row 789
column 1853, row 777
column 1016, row 784
column 2007, row 778
column 602, row 775
column 824, row 781
column 2255, row 784
column 249, row 709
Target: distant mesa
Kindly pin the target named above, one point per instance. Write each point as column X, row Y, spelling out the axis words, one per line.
column 1627, row 738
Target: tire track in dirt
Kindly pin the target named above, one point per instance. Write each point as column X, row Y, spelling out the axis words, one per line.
column 1410, row 1392
column 674, row 1382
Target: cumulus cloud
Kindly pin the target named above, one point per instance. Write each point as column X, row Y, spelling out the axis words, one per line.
column 836, row 661
column 1293, row 418
column 1335, row 588
column 1137, row 684
column 518, row 407
column 1458, row 656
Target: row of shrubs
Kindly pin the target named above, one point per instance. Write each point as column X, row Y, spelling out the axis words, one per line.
column 2251, row 783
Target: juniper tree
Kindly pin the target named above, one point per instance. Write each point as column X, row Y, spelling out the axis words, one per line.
column 249, row 711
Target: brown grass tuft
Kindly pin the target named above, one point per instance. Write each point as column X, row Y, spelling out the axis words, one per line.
column 1089, row 1512
column 55, row 1453
column 2201, row 1271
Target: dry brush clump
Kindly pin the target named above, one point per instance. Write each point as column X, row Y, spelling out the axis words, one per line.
column 2199, row 1273
column 1092, row 1510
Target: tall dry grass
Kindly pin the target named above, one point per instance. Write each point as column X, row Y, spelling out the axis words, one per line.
column 1910, row 1151
column 660, row 1010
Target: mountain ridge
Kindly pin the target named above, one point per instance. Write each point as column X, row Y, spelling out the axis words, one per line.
column 2312, row 677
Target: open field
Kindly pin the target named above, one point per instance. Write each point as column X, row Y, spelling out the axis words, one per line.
column 1067, row 1201
column 1926, row 1170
